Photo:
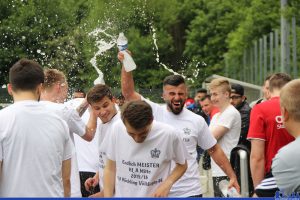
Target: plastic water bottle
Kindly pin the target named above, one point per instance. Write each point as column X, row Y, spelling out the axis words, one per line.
column 128, row 62
column 232, row 192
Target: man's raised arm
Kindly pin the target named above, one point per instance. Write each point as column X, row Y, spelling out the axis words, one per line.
column 127, row 83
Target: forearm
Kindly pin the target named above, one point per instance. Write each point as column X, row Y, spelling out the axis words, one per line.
column 165, row 187
column 176, row 173
column 221, row 160
column 66, row 173
column 127, row 84
column 257, row 166
column 82, row 107
column 67, row 188
column 90, row 128
column 109, row 180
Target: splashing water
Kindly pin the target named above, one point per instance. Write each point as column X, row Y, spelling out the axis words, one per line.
column 102, row 46
column 196, row 70
column 157, row 54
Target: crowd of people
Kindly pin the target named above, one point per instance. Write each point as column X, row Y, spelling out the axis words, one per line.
column 100, row 145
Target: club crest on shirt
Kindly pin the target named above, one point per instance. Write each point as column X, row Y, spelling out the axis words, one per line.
column 187, row 131
column 155, row 153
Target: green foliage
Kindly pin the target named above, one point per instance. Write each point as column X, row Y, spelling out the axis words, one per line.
column 193, row 36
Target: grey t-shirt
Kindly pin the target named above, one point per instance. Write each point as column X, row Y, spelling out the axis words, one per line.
column 285, row 168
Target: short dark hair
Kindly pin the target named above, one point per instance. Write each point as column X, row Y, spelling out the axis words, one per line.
column 278, row 80
column 206, row 97
column 138, row 114
column 173, row 80
column 26, row 75
column 202, row 90
column 98, row 92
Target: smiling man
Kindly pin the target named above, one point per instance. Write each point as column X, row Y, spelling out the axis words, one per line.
column 104, row 106
column 192, row 127
column 225, row 126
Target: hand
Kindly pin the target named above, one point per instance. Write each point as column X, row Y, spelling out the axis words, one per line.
column 163, row 189
column 121, row 55
column 234, row 183
column 97, row 195
column 90, row 183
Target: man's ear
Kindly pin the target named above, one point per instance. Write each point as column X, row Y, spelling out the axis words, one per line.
column 284, row 114
column 9, row 89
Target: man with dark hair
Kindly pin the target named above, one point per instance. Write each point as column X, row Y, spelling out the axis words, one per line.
column 104, row 105
column 78, row 93
column 238, row 100
column 139, row 155
column 207, row 106
column 193, row 130
column 200, row 94
column 266, row 132
column 35, row 148
column 54, row 93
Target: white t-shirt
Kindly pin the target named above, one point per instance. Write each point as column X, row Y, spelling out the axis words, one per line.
column 231, row 119
column 87, row 152
column 33, row 144
column 104, row 131
column 193, row 131
column 142, row 167
column 76, row 125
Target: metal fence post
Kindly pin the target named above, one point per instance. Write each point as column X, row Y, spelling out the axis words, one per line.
column 244, row 173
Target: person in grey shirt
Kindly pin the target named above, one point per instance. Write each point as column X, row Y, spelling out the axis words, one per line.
column 285, row 166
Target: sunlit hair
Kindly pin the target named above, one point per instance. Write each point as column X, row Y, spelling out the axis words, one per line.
column 222, row 83
column 98, row 92
column 290, row 99
column 52, row 77
column 25, row 75
column 278, row 80
column 138, row 114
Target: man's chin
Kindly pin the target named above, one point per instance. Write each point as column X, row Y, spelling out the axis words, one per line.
column 176, row 111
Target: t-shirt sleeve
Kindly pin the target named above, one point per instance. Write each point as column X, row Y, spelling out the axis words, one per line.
column 256, row 127
column 111, row 143
column 155, row 106
column 227, row 119
column 180, row 153
column 205, row 139
column 74, row 121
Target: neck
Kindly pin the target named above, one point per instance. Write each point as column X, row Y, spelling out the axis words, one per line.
column 275, row 93
column 49, row 96
column 293, row 128
column 25, row 95
column 224, row 106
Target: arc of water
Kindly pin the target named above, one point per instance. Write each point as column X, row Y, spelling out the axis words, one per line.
column 195, row 73
column 102, row 46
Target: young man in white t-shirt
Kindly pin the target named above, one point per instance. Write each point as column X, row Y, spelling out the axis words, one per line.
column 86, row 151
column 54, row 93
column 35, row 146
column 104, row 105
column 225, row 126
column 193, row 130
column 140, row 153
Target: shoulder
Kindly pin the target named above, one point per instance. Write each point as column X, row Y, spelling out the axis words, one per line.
column 231, row 111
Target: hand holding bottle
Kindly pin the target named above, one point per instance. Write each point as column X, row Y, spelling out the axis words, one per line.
column 128, row 62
